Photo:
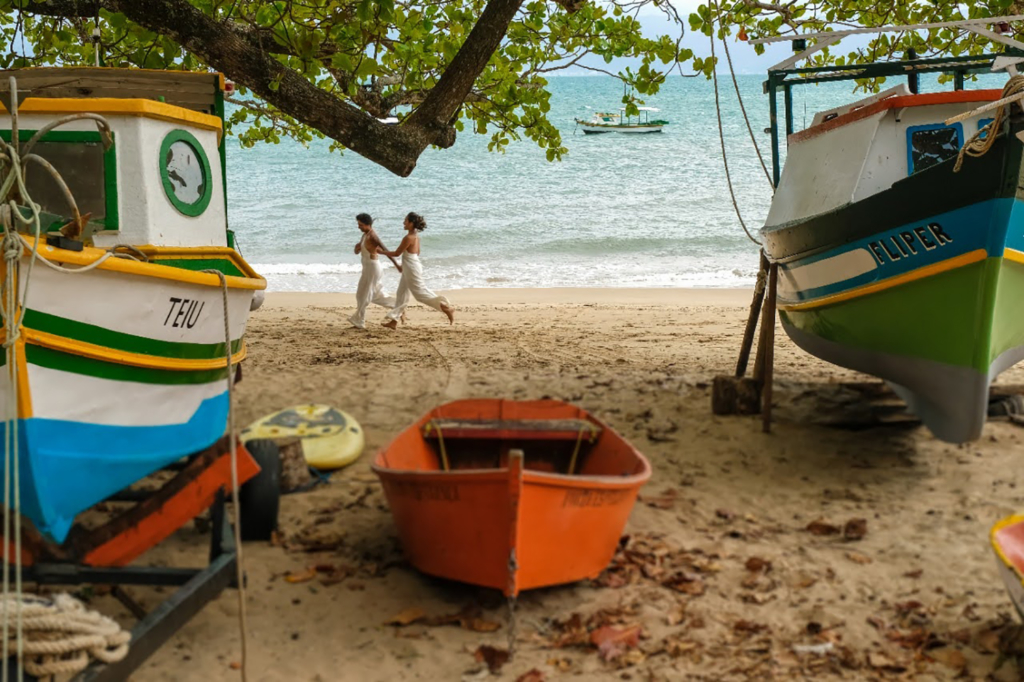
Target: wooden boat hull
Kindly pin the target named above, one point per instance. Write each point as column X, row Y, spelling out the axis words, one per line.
column 917, row 284
column 109, row 393
column 510, row 528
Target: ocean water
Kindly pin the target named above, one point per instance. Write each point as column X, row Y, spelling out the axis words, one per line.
column 617, row 211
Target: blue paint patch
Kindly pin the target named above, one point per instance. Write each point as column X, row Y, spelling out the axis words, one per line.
column 991, row 225
column 67, row 467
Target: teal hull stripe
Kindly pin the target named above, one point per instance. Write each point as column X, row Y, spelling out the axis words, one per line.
column 76, row 364
column 985, row 225
column 101, row 336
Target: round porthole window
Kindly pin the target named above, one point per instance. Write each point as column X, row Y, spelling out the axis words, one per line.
column 185, row 172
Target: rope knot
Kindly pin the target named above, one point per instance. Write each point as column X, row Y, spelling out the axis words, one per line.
column 979, row 146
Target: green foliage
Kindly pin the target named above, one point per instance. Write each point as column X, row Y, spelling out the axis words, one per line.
column 765, row 19
column 381, row 55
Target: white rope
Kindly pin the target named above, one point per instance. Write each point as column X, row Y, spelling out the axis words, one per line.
column 750, row 129
column 721, row 135
column 61, row 635
column 232, row 440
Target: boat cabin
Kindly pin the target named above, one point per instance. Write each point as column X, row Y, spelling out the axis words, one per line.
column 160, row 183
column 858, row 150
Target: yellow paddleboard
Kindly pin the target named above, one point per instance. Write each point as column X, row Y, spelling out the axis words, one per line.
column 330, row 438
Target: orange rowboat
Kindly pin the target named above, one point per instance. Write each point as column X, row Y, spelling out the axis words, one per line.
column 510, row 495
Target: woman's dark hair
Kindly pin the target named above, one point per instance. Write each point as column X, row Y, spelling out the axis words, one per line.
column 365, row 219
column 418, row 223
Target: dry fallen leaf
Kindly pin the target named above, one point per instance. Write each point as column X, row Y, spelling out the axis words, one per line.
column 561, row 664
column 987, row 641
column 821, row 527
column 883, row 662
column 748, row 626
column 758, row 565
column 949, row 657
column 855, row 529
column 301, row 576
column 666, row 500
column 858, row 558
column 235, row 665
column 676, row 614
column 914, row 574
column 613, row 642
column 685, row 583
column 492, row 656
column 407, row 617
column 532, row 676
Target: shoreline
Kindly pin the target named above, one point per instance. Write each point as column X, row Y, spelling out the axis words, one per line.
column 681, row 296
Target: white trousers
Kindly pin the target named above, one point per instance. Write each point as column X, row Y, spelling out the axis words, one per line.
column 412, row 285
column 370, row 290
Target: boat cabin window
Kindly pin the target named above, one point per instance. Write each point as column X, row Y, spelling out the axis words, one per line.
column 84, row 165
column 928, row 145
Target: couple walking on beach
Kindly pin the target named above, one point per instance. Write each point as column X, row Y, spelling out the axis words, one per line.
column 371, row 288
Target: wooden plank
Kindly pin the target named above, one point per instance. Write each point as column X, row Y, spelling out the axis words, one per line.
column 502, row 429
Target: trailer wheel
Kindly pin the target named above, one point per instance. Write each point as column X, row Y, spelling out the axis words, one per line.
column 260, row 496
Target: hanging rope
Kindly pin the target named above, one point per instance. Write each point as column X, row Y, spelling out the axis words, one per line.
column 750, row 129
column 721, row 135
column 62, row 636
column 233, row 444
column 978, row 145
column 59, row 635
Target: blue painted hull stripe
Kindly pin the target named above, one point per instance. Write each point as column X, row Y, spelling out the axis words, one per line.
column 992, row 225
column 67, row 467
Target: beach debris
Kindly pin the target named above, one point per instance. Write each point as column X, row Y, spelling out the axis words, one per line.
column 468, row 618
column 758, row 565
column 676, row 614
column 855, row 529
column 646, row 557
column 302, row 576
column 666, row 500
column 561, row 663
column 532, row 675
column 858, row 558
column 613, row 643
column 822, row 527
column 493, row 657
column 880, row 661
column 407, row 617
column 916, row 573
column 950, row 657
column 814, row 649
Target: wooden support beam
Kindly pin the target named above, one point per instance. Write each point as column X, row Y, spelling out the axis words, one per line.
column 768, row 335
column 755, row 311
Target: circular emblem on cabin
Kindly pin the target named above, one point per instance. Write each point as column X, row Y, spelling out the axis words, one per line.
column 185, row 172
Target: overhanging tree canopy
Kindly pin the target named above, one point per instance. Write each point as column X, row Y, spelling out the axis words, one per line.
column 331, row 68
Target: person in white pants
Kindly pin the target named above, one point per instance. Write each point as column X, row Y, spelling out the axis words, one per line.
column 412, row 283
column 371, row 287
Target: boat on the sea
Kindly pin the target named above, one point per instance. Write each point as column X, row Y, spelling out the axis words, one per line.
column 120, row 355
column 621, row 122
column 898, row 256
column 1007, row 540
column 510, row 495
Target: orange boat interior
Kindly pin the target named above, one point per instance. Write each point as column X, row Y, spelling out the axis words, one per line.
column 476, row 435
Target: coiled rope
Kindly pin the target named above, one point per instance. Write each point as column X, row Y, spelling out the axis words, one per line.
column 982, row 141
column 61, row 635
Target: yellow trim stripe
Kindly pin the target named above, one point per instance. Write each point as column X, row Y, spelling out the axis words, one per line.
column 24, row 394
column 200, row 253
column 145, row 108
column 121, row 357
column 1001, row 524
column 1014, row 255
column 926, row 271
column 89, row 255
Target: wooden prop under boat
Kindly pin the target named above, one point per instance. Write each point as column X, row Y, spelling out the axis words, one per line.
column 1007, row 539
column 510, row 495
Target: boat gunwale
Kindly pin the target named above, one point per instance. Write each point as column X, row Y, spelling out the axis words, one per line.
column 378, row 466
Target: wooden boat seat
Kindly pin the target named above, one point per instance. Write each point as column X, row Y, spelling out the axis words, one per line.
column 512, row 429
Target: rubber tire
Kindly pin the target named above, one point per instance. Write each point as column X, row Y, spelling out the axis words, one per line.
column 260, row 496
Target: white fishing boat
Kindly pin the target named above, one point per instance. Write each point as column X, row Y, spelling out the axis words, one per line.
column 621, row 122
column 120, row 358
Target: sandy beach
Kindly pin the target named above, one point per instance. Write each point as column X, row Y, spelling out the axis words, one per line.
column 894, row 581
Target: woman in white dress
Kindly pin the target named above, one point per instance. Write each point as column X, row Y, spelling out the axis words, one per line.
column 371, row 287
column 412, row 283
